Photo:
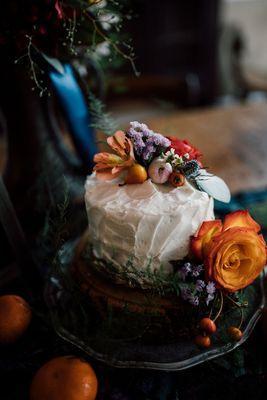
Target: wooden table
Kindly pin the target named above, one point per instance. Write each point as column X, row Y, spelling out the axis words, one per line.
column 233, row 141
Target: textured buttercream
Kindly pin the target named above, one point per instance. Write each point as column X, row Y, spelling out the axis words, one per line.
column 147, row 223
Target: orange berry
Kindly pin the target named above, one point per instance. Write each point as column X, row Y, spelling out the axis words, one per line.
column 207, row 325
column 67, row 378
column 176, row 179
column 136, row 174
column 203, row 341
column 15, row 317
column 235, row 333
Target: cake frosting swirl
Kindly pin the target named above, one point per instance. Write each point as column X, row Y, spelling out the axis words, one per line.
column 147, row 224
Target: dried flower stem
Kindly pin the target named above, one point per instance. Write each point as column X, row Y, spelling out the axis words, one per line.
column 240, row 308
column 113, row 44
column 37, row 82
column 221, row 307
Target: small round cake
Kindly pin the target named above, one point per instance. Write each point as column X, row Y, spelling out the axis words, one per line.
column 146, row 224
column 154, row 262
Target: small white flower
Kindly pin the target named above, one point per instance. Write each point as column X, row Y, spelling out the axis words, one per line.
column 108, row 19
column 187, row 156
column 102, row 49
column 177, row 160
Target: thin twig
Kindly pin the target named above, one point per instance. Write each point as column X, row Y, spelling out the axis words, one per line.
column 113, row 44
column 221, row 307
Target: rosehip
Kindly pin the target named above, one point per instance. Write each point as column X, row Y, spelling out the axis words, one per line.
column 203, row 341
column 235, row 333
column 176, row 179
column 207, row 325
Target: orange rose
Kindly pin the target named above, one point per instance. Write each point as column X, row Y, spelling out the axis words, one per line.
column 233, row 252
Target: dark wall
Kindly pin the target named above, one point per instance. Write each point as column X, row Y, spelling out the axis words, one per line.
column 178, row 39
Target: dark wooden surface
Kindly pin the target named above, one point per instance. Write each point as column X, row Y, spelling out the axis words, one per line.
column 233, row 141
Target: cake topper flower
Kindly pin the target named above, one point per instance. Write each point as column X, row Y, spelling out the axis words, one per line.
column 233, row 251
column 145, row 153
column 182, row 147
column 109, row 166
column 147, row 144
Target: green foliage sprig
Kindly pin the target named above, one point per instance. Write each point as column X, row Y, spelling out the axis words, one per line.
column 101, row 119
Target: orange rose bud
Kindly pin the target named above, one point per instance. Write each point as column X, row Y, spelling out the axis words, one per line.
column 201, row 240
column 203, row 341
column 176, row 179
column 235, row 333
column 207, row 325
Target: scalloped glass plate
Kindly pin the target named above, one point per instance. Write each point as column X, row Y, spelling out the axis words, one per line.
column 75, row 321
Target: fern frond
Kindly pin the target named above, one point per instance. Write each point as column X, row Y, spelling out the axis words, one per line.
column 101, row 120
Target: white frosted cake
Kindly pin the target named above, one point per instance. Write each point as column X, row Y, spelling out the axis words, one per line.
column 154, row 259
column 149, row 224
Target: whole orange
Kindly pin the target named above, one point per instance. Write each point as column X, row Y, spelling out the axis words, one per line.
column 15, row 317
column 64, row 378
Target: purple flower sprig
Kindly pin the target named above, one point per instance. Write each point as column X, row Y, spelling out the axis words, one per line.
column 146, row 143
column 193, row 288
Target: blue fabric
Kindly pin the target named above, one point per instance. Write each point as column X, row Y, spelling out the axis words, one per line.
column 76, row 111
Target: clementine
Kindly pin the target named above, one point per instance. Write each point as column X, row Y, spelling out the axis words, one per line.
column 15, row 317
column 136, row 174
column 65, row 377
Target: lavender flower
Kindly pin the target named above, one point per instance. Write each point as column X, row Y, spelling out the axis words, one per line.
column 200, row 285
column 196, row 270
column 185, row 270
column 148, row 151
column 209, row 298
column 194, row 300
column 211, row 289
column 186, row 293
column 147, row 144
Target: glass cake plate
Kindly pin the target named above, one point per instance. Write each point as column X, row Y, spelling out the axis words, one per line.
column 76, row 321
